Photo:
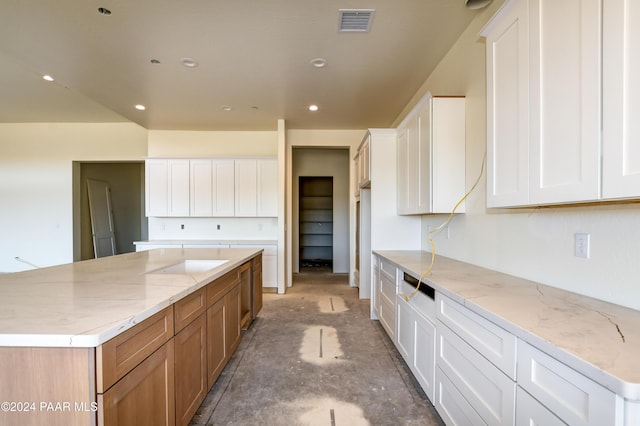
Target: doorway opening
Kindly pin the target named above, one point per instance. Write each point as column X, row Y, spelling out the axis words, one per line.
column 316, row 223
column 126, row 183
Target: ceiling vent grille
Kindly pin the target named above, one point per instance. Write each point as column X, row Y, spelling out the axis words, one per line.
column 352, row 20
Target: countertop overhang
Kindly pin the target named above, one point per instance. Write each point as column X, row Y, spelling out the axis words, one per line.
column 84, row 304
column 599, row 339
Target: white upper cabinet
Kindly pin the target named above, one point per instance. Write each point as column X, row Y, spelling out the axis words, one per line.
column 363, row 163
column 561, row 80
column 212, row 187
column 431, row 157
column 621, row 97
column 167, row 187
column 205, row 187
column 256, row 184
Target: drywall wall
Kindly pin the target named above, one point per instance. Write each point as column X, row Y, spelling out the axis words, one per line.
column 180, row 143
column 36, row 184
column 536, row 243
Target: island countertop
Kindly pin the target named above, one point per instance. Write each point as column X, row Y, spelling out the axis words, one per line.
column 84, row 304
column 599, row 339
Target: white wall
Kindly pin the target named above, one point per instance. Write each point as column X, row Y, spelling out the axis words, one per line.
column 179, row 143
column 535, row 243
column 36, row 185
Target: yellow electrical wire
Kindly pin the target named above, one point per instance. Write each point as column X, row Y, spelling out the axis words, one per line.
column 434, row 231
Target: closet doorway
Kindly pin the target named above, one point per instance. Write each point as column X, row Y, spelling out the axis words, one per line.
column 316, row 222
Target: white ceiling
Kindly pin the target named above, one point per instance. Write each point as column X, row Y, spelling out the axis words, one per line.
column 253, row 55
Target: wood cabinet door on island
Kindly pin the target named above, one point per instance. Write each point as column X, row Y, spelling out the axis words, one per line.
column 145, row 395
column 190, row 369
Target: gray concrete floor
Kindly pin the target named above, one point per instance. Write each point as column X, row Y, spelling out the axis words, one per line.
column 313, row 357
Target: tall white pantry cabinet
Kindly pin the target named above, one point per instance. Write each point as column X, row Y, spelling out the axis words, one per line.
column 562, row 86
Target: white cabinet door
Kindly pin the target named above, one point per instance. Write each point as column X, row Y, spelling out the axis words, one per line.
column 431, row 157
column 621, row 99
column 178, row 187
column 565, row 100
column 267, row 192
column 156, row 184
column 364, row 163
column 405, row 329
column 543, row 102
column 223, row 187
column 201, row 187
column 246, row 189
column 402, row 201
column 424, row 354
column 507, row 44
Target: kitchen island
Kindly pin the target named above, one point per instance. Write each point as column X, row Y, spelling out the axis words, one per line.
column 138, row 337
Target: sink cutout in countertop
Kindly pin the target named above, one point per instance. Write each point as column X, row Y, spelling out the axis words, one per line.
column 190, row 266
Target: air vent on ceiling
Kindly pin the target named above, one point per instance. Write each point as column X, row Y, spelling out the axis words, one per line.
column 352, row 20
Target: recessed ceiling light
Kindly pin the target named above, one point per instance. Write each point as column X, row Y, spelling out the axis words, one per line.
column 155, row 61
column 189, row 63
column 104, row 11
column 319, row 62
column 313, row 107
column 226, row 108
column 140, row 107
column 47, row 77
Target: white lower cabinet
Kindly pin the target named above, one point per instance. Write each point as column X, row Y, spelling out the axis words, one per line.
column 531, row 412
column 484, row 387
column 269, row 263
column 572, row 397
column 416, row 335
column 453, row 408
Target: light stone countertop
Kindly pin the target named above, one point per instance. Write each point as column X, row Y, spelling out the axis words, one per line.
column 84, row 304
column 599, row 339
column 204, row 242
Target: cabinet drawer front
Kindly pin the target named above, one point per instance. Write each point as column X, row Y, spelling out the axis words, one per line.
column 451, row 405
column 388, row 270
column 218, row 288
column 387, row 316
column 118, row 356
column 487, row 389
column 531, row 412
column 573, row 397
column 388, row 289
column 189, row 308
column 493, row 342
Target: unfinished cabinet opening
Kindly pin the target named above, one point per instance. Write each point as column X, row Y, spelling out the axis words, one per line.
column 316, row 221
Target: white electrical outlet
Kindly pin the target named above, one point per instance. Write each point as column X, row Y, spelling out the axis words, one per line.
column 582, row 245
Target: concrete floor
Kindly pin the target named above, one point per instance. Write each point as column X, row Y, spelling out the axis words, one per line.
column 313, row 357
